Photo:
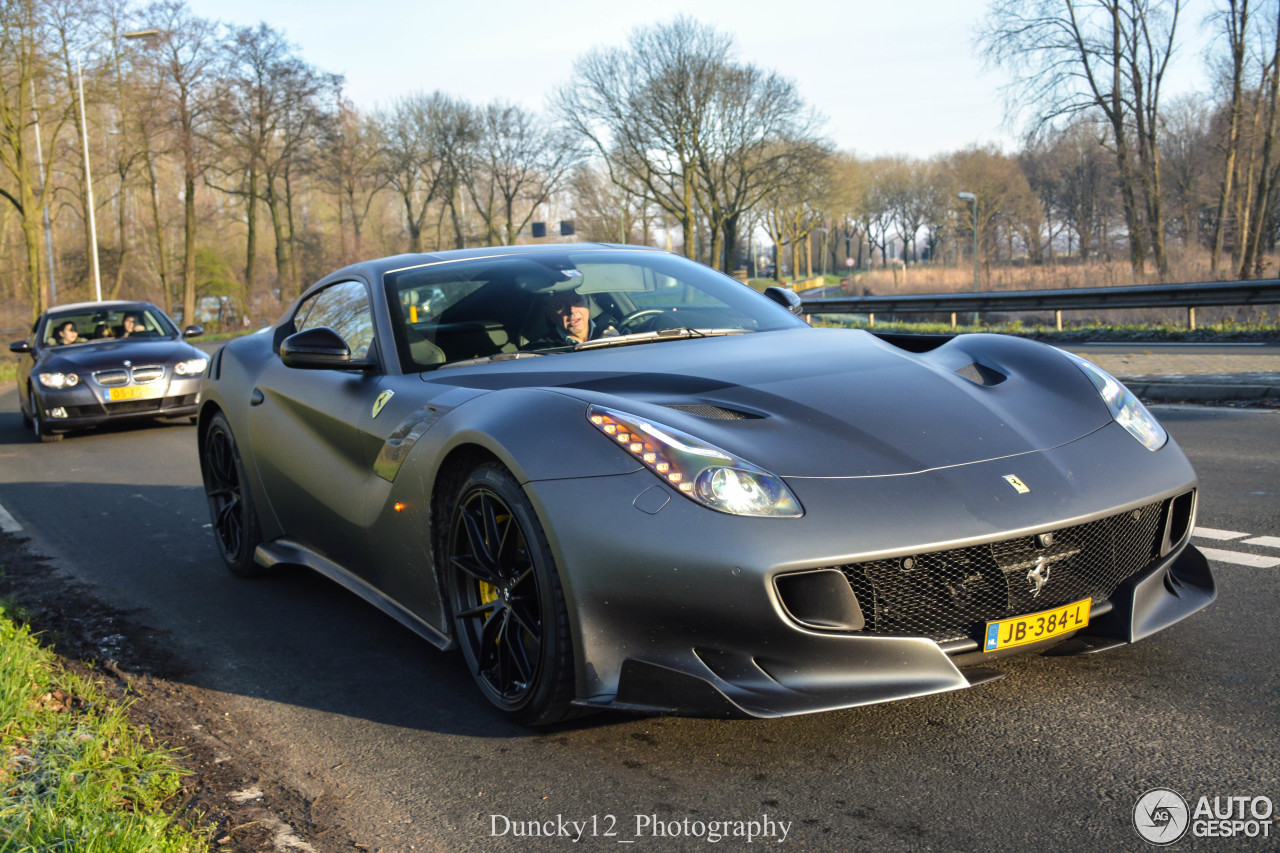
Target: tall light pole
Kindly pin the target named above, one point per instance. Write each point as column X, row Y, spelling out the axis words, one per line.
column 973, row 198
column 88, row 176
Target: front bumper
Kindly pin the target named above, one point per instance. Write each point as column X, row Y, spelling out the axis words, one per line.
column 675, row 608
column 84, row 406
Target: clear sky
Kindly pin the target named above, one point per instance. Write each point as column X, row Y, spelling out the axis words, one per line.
column 897, row 77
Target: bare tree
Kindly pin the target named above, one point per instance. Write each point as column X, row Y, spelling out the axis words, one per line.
column 516, row 164
column 423, row 138
column 23, row 31
column 188, row 47
column 644, row 107
column 1251, row 256
column 348, row 167
column 1070, row 57
column 1234, row 18
column 758, row 136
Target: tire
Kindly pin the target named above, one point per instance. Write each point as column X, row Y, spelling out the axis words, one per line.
column 38, row 427
column 235, row 521
column 506, row 601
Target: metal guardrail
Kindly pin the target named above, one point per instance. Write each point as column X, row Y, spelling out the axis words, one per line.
column 1189, row 296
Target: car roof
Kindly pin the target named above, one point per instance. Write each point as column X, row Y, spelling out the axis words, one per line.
column 105, row 304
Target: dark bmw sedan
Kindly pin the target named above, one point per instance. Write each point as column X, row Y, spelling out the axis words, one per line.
column 94, row 362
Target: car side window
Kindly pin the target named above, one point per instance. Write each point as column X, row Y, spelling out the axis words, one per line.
column 343, row 307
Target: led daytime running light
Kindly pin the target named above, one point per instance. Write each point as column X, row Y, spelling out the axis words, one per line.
column 705, row 474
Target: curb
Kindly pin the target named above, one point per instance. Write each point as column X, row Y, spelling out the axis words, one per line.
column 1183, row 391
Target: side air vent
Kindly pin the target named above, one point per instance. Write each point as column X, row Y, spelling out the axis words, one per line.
column 717, row 413
column 980, row 374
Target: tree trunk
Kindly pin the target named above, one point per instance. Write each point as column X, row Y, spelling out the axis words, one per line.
column 1253, row 237
column 1238, row 26
column 251, row 221
column 162, row 256
column 189, row 237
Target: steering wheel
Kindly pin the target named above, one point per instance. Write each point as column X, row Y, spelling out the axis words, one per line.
column 632, row 322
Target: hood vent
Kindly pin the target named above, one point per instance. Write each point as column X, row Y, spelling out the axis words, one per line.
column 716, row 413
column 980, row 374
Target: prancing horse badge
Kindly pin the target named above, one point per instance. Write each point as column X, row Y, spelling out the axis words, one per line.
column 1012, row 479
column 384, row 397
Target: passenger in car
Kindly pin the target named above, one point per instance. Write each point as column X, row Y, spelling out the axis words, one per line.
column 66, row 333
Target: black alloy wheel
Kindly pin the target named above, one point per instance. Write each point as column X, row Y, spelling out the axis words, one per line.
column 506, row 600
column 235, row 523
column 38, row 426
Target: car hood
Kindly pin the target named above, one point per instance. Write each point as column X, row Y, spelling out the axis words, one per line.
column 86, row 358
column 829, row 402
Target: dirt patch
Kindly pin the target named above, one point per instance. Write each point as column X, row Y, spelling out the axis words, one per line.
column 232, row 786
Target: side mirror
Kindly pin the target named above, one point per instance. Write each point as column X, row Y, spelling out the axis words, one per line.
column 193, row 331
column 786, row 298
column 320, row 348
column 20, row 346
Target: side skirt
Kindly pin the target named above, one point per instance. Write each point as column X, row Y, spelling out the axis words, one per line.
column 290, row 553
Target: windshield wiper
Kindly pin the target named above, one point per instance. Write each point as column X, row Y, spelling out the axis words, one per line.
column 660, row 335
column 485, row 359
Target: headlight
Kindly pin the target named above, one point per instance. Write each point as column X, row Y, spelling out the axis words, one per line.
column 59, row 380
column 191, row 367
column 1127, row 409
column 699, row 471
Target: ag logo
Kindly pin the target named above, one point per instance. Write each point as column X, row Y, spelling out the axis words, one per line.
column 382, row 400
column 1018, row 486
column 1161, row 816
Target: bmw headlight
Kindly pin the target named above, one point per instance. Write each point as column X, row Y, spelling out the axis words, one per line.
column 701, row 472
column 1127, row 409
column 59, row 380
column 191, row 367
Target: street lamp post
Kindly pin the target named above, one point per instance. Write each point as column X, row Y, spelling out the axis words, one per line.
column 972, row 198
column 88, row 176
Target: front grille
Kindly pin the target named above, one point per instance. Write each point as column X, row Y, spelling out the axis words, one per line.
column 129, row 407
column 948, row 595
column 111, row 377
column 143, row 375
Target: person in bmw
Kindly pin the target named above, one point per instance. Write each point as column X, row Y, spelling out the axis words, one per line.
column 66, row 334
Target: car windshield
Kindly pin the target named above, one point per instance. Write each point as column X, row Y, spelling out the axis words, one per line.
column 541, row 303
column 95, row 324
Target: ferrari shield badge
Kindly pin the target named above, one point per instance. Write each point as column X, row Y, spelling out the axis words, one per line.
column 1012, row 479
column 384, row 397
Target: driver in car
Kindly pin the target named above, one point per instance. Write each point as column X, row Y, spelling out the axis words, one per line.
column 568, row 313
column 130, row 325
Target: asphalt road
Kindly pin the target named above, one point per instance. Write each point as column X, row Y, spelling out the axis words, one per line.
column 347, row 704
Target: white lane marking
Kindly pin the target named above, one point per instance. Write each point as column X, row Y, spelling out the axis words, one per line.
column 1223, row 535
column 7, row 522
column 1264, row 541
column 1241, row 559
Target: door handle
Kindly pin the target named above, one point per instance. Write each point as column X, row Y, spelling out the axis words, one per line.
column 256, row 398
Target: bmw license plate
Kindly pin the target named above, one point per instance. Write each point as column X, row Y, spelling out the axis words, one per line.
column 1035, row 627
column 131, row 392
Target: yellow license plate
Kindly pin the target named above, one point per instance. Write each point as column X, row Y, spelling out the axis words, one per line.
column 1035, row 627
column 131, row 392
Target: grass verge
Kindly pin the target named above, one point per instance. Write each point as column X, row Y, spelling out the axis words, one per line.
column 74, row 773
